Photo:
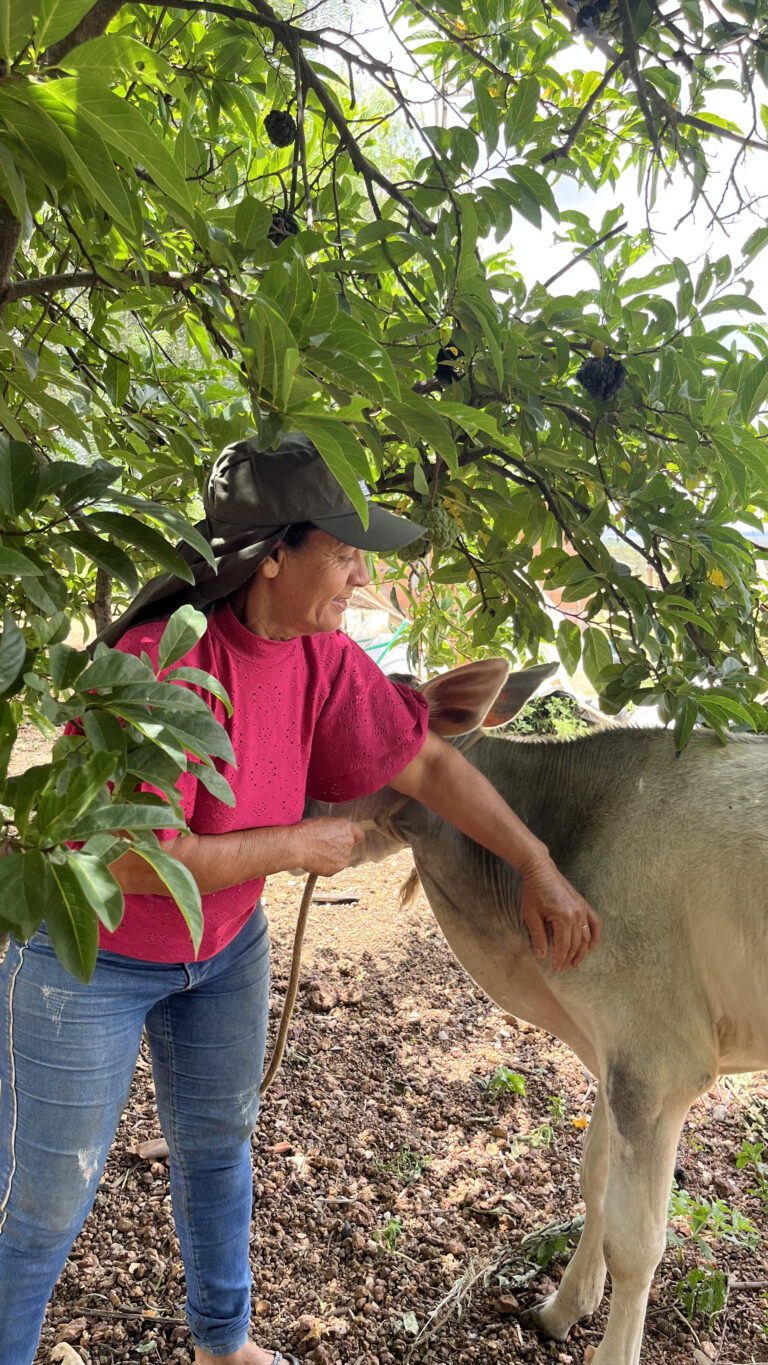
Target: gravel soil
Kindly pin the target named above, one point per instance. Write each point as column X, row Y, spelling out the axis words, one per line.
column 393, row 1185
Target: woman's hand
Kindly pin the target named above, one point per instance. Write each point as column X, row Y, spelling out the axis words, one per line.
column 557, row 917
column 325, row 845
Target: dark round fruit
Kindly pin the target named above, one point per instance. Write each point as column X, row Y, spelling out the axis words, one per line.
column 280, row 127
column 283, row 225
column 602, row 378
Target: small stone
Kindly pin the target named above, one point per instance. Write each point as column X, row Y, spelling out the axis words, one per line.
column 720, row 1113
column 71, row 1331
column 63, row 1354
column 154, row 1150
column 506, row 1303
column 321, row 996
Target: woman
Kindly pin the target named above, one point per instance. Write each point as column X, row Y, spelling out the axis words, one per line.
column 312, row 716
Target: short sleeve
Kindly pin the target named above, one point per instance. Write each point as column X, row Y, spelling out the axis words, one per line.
column 368, row 730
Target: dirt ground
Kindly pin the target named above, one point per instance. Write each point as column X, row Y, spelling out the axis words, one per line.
column 387, row 1176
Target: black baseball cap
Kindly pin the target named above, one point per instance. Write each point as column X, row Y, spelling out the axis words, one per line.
column 249, row 487
column 251, row 498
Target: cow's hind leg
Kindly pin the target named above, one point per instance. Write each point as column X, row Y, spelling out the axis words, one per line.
column 643, row 1133
column 583, row 1283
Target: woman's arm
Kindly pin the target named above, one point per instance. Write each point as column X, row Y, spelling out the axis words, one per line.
column 442, row 779
column 220, row 860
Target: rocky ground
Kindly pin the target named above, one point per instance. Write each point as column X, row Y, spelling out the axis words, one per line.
column 397, row 1170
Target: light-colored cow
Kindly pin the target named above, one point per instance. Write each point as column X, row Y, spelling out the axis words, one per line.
column 672, row 851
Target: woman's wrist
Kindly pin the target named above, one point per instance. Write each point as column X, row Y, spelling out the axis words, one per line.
column 534, row 858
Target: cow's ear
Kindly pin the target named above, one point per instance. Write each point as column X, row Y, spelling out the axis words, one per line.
column 516, row 691
column 459, row 701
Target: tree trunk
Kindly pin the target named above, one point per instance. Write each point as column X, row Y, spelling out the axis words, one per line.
column 102, row 600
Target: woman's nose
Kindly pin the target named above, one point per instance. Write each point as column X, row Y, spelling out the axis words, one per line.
column 360, row 575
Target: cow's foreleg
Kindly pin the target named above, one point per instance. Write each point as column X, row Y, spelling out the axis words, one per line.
column 583, row 1283
column 641, row 1158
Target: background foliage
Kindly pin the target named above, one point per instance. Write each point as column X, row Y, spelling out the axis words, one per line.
column 170, row 280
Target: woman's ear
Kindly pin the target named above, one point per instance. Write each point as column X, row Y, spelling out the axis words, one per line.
column 271, row 565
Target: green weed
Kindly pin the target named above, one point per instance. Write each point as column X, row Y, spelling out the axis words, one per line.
column 502, row 1081
column 703, row 1292
column 407, row 1164
column 388, row 1233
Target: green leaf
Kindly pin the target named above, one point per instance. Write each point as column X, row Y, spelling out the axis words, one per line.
column 13, row 564
column 72, row 925
column 332, row 440
column 199, row 678
column 422, row 421
column 136, row 533
column 117, row 379
column 112, row 52
column 85, row 785
column 126, row 132
column 686, row 715
column 213, row 781
column 597, row 655
column 13, row 655
column 17, row 22
column 755, row 242
column 487, row 113
column 99, row 888
column 19, row 477
column 57, row 19
column 105, row 556
column 522, row 111
column 252, row 223
column 568, row 642
column 753, row 388
column 168, row 516
column 113, row 819
column 113, row 668
column 185, row 627
column 11, row 183
column 180, row 883
column 84, row 150
column 13, row 897
column 66, row 665
column 105, row 733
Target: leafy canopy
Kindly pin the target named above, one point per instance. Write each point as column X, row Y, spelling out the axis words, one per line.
column 170, row 280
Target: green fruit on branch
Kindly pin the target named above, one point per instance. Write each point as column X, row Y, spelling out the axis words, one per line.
column 280, row 127
column 440, row 533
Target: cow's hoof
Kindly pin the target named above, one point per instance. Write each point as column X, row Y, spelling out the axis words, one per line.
column 543, row 1317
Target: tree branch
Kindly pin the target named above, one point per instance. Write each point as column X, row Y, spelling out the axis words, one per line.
column 10, row 236
column 464, row 43
column 586, row 252
column 42, row 285
column 558, row 152
column 92, row 25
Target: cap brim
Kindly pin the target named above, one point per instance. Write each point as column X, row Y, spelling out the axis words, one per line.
column 385, row 531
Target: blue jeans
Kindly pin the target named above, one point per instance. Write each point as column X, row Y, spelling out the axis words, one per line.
column 67, row 1056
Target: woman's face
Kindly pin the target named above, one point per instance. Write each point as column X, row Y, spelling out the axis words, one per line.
column 303, row 591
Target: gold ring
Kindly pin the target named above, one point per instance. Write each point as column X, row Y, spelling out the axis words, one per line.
column 586, row 932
